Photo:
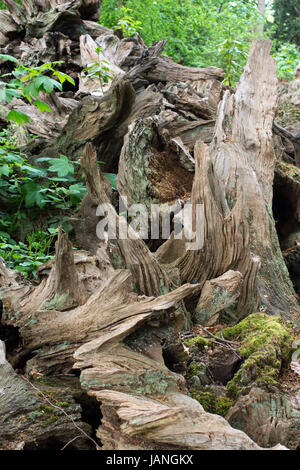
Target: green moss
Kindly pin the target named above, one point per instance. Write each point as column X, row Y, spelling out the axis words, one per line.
column 211, row 403
column 163, row 288
column 223, row 404
column 49, row 421
column 205, row 398
column 35, row 415
column 196, row 343
column 43, row 411
column 265, row 345
column 63, row 404
column 147, row 383
column 288, row 113
column 45, row 408
column 289, row 170
column 192, row 369
column 57, row 302
column 233, row 389
column 117, row 261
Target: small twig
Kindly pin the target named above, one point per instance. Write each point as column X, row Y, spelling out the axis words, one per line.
column 227, row 346
column 74, row 439
column 189, row 335
column 216, row 337
column 63, row 411
column 225, row 343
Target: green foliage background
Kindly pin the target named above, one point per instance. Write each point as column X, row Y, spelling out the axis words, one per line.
column 287, row 19
column 202, row 32
column 208, row 32
column 194, row 28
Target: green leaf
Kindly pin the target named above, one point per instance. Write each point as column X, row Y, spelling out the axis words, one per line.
column 9, row 58
column 2, row 92
column 4, row 236
column 17, row 117
column 42, row 106
column 77, row 191
column 33, row 195
column 61, row 166
column 62, row 77
column 11, row 93
column 52, row 230
column 112, row 177
column 46, row 84
column 43, row 159
column 4, row 170
column 31, row 90
column 34, row 172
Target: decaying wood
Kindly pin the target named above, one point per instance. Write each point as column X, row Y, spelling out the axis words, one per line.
column 150, row 170
column 113, row 310
column 149, row 276
column 46, row 124
column 167, row 70
column 17, row 398
column 218, row 294
column 8, row 277
column 68, row 291
column 186, row 98
column 266, row 426
column 89, row 56
column 240, row 156
column 293, row 134
column 95, row 116
column 163, row 423
column 34, row 19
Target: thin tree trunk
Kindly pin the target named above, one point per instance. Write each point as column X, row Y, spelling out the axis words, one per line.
column 261, row 5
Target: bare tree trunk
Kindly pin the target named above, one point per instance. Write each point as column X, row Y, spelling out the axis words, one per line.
column 261, row 5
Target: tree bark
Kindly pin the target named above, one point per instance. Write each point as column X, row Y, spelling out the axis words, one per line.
column 114, row 310
column 239, row 228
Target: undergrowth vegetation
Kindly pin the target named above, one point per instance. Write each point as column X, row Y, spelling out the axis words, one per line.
column 25, row 188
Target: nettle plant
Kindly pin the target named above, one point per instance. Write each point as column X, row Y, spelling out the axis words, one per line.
column 26, row 82
column 98, row 70
column 27, row 257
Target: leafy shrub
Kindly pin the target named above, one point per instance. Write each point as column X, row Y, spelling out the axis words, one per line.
column 127, row 23
column 27, row 257
column 29, row 82
column 288, row 57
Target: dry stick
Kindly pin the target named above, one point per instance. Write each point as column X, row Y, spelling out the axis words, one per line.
column 63, row 411
column 226, row 342
column 216, row 337
column 74, row 439
column 227, row 346
column 224, row 345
